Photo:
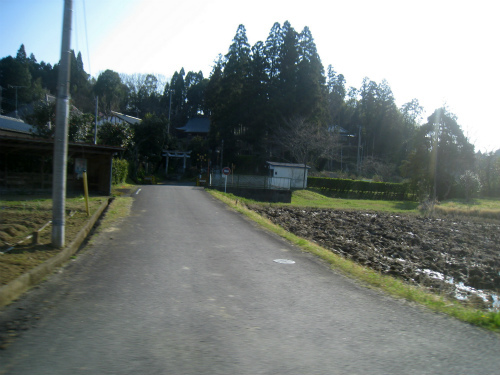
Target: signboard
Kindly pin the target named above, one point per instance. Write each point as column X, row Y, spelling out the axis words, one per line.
column 226, row 170
column 80, row 166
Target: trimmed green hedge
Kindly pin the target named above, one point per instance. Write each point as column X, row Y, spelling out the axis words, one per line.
column 120, row 171
column 344, row 188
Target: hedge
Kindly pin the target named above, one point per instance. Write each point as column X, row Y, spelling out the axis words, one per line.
column 120, row 171
column 361, row 189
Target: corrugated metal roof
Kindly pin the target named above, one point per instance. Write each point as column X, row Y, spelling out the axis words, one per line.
column 126, row 118
column 287, row 165
column 15, row 125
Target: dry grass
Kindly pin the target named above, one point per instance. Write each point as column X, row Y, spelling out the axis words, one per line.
column 480, row 208
column 20, row 217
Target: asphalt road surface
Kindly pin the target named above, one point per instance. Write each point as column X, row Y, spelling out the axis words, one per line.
column 186, row 286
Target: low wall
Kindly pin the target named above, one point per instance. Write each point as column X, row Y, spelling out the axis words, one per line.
column 262, row 195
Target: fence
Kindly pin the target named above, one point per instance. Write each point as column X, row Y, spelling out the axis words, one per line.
column 250, row 182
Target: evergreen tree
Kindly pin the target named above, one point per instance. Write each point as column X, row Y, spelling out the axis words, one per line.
column 412, row 115
column 15, row 79
column 80, row 87
column 285, row 101
column 149, row 140
column 380, row 120
column 111, row 91
column 336, row 98
column 195, row 92
column 311, row 89
column 21, row 55
column 177, row 108
column 227, row 90
column 272, row 50
column 256, row 108
column 441, row 154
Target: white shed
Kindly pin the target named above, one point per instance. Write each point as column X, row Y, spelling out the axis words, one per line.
column 297, row 173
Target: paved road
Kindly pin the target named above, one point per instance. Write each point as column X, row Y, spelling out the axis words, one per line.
column 186, row 286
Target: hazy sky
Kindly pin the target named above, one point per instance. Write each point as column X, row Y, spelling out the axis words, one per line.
column 439, row 52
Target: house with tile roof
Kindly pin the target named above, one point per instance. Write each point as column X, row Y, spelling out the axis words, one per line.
column 197, row 126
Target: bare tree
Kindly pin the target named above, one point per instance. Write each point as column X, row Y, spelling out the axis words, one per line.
column 304, row 142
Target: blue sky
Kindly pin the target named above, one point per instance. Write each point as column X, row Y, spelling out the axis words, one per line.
column 437, row 51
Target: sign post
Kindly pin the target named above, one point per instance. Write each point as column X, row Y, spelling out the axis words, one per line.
column 226, row 171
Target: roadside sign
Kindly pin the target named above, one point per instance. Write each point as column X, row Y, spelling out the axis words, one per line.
column 226, row 170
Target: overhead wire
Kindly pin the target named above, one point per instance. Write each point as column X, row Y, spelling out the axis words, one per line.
column 86, row 36
column 76, row 49
column 77, row 46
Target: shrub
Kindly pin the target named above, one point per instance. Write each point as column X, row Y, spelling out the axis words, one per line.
column 362, row 189
column 470, row 183
column 120, row 171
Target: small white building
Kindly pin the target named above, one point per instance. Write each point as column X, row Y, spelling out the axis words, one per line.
column 296, row 173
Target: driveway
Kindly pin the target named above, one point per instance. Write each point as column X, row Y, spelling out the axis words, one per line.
column 185, row 285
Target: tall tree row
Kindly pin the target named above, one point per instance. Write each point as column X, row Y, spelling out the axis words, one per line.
column 254, row 96
column 255, row 90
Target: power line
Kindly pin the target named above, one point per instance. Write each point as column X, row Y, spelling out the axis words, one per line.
column 86, row 36
column 77, row 47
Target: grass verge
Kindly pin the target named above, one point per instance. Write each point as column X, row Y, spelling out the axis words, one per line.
column 392, row 286
column 482, row 208
column 311, row 198
column 316, row 199
column 21, row 215
column 118, row 209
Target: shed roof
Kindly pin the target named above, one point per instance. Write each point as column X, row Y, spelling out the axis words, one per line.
column 196, row 125
column 126, row 118
column 340, row 130
column 15, row 125
column 20, row 143
column 287, row 165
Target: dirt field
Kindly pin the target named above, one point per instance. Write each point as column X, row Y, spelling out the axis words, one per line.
column 458, row 257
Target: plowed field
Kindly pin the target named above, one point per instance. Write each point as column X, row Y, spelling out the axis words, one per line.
column 458, row 257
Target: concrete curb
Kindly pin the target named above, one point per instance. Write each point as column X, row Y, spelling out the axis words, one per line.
column 15, row 288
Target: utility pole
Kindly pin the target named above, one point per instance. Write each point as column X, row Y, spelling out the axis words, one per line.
column 61, row 133
column 169, row 110
column 16, row 88
column 96, row 109
column 437, row 128
column 359, row 148
column 222, row 156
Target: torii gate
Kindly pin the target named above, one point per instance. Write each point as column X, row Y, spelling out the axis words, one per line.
column 176, row 154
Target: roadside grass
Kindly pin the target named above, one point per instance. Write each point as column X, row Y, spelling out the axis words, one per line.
column 482, row 208
column 121, row 189
column 393, row 286
column 118, row 209
column 21, row 216
column 308, row 198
